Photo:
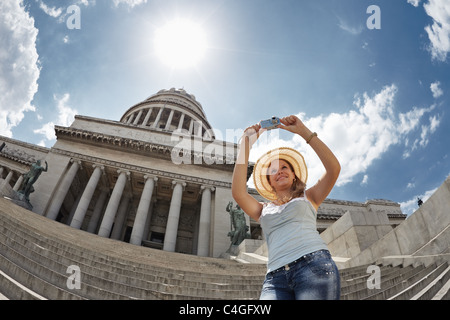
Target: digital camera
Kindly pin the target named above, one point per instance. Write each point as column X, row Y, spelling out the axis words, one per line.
column 270, row 124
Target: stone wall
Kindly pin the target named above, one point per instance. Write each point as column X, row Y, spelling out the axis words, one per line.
column 354, row 232
column 425, row 234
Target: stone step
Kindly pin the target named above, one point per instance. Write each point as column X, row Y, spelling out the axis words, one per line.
column 26, row 282
column 35, row 253
column 116, row 251
column 388, row 278
column 50, row 279
column 405, row 280
column 444, row 292
column 15, row 290
column 84, row 262
column 402, row 283
column 42, row 247
column 349, row 272
column 92, row 285
column 70, row 255
column 358, row 281
column 425, row 286
column 252, row 258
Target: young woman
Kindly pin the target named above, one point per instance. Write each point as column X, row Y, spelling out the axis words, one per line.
column 299, row 265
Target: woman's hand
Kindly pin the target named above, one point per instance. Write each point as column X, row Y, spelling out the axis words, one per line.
column 252, row 133
column 295, row 125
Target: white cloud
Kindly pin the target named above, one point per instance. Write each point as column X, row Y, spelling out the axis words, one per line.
column 437, row 92
column 66, row 116
column 346, row 27
column 415, row 3
column 426, row 131
column 365, row 179
column 130, row 3
column 86, row 2
column 19, row 69
column 60, row 14
column 410, row 119
column 434, row 123
column 47, row 130
column 51, row 11
column 357, row 137
column 439, row 31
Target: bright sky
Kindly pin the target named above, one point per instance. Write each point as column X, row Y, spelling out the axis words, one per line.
column 378, row 97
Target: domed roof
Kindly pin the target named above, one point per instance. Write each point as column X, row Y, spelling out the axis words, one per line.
column 170, row 110
column 181, row 92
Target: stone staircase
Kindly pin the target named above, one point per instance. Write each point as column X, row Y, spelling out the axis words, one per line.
column 36, row 253
column 397, row 283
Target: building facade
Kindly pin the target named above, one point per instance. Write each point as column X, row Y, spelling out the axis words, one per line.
column 158, row 178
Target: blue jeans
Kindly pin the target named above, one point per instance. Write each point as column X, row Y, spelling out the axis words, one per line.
column 312, row 277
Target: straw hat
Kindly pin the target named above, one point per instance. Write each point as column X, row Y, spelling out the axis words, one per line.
column 260, row 169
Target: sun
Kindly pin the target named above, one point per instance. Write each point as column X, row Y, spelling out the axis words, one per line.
column 180, row 43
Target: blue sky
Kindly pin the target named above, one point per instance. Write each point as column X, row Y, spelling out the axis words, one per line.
column 378, row 97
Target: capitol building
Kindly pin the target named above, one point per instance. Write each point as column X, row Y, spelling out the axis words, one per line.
column 147, row 178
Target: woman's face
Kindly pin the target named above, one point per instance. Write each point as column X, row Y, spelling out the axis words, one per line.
column 281, row 175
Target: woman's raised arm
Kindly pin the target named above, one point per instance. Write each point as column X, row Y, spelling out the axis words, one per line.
column 317, row 193
column 239, row 191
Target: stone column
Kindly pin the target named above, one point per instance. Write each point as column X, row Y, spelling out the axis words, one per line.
column 113, row 204
column 120, row 217
column 158, row 117
column 205, row 222
column 1, row 172
column 170, row 238
column 18, row 183
column 147, row 117
column 93, row 222
column 9, row 176
column 130, row 118
column 191, row 127
column 149, row 219
column 74, row 208
column 62, row 190
column 138, row 117
column 142, row 212
column 180, row 124
column 169, row 120
column 86, row 198
column 199, row 129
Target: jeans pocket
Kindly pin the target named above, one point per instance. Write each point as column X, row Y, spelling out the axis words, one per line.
column 322, row 266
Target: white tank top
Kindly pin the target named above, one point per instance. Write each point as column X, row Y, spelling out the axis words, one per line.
column 290, row 231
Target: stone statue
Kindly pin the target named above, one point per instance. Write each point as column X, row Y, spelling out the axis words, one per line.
column 30, row 178
column 239, row 227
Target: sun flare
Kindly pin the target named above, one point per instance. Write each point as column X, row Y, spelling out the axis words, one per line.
column 180, row 43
